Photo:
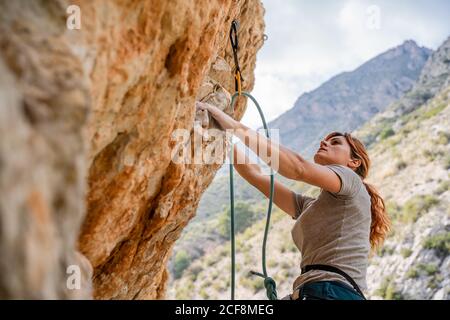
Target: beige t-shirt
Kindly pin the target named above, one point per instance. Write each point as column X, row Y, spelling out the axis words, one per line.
column 334, row 229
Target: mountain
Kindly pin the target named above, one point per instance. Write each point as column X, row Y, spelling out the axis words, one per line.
column 349, row 99
column 410, row 155
column 434, row 77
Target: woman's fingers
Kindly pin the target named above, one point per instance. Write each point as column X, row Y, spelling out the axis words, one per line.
column 200, row 105
column 224, row 120
column 203, row 105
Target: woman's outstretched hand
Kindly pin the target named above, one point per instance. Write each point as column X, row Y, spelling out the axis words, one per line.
column 224, row 120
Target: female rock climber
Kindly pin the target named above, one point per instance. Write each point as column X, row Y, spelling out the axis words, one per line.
column 334, row 232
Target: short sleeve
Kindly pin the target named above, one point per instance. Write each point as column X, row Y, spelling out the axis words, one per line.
column 350, row 181
column 301, row 202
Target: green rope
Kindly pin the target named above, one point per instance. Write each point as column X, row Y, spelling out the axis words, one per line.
column 269, row 283
column 232, row 225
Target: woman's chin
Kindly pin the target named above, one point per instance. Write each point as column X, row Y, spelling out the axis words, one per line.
column 318, row 158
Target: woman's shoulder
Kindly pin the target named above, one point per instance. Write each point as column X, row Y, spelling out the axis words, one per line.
column 351, row 182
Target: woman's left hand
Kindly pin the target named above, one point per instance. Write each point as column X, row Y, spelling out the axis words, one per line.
column 224, row 120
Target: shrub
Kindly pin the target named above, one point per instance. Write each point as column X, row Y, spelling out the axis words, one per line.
column 447, row 163
column 388, row 291
column 214, row 275
column 218, row 286
column 440, row 243
column 429, row 201
column 444, row 138
column 248, row 258
column 405, row 252
column 393, row 210
column 416, row 206
column 292, row 247
column 204, row 294
column 412, row 273
column 189, row 285
column 272, row 263
column 181, row 262
column 253, row 282
column 244, row 217
column 386, row 133
column 430, row 268
column 400, row 165
column 391, row 143
column 206, row 284
column 420, row 95
column 195, row 271
column 211, row 261
column 436, row 109
column 443, row 187
column 183, row 294
column 435, row 281
column 385, row 250
column 392, row 293
column 428, row 154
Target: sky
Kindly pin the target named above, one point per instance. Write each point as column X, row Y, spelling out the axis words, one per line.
column 311, row 41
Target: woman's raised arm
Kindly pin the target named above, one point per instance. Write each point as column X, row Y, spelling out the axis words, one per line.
column 282, row 197
column 281, row 159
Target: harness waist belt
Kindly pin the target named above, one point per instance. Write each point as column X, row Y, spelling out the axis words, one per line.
column 335, row 270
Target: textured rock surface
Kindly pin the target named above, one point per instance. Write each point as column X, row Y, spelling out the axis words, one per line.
column 89, row 114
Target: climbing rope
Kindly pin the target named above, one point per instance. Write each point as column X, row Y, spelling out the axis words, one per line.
column 269, row 283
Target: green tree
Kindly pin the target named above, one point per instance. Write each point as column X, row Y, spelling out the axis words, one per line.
column 182, row 261
column 244, row 216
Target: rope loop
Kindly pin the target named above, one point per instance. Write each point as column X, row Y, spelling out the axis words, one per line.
column 271, row 288
column 269, row 283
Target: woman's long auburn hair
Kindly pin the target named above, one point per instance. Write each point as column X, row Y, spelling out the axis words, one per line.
column 381, row 223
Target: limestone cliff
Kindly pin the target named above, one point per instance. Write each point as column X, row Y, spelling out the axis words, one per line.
column 86, row 122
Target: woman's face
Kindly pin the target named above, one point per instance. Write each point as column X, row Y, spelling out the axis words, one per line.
column 335, row 150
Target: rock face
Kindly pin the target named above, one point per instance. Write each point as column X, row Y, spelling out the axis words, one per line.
column 87, row 118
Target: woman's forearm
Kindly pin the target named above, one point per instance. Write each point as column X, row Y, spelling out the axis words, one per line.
column 242, row 163
column 281, row 159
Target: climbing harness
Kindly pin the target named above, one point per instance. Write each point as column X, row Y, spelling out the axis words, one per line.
column 269, row 283
column 329, row 268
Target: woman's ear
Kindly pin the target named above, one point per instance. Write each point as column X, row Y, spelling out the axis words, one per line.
column 354, row 163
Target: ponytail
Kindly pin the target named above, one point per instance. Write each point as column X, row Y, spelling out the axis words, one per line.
column 381, row 223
